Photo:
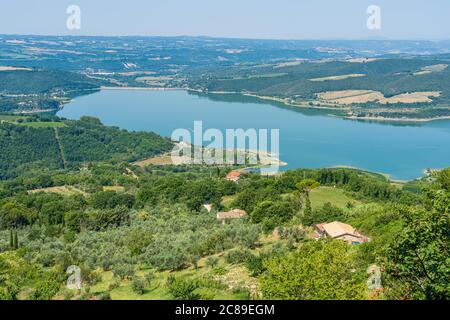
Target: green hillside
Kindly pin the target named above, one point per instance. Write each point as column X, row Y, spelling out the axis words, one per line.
column 35, row 144
column 300, row 84
column 41, row 89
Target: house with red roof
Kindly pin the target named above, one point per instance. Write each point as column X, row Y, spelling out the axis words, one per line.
column 234, row 176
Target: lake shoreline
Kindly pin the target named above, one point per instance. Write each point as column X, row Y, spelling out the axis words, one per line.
column 163, row 112
column 396, row 119
column 283, row 101
column 286, row 102
column 141, row 88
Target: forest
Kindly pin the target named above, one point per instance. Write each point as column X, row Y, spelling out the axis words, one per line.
column 389, row 76
column 42, row 89
column 38, row 143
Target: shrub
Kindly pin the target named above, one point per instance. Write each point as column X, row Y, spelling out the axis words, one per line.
column 46, row 289
column 103, row 296
column 170, row 279
column 68, row 295
column 237, row 256
column 220, row 271
column 272, row 214
column 212, row 262
column 184, row 290
column 114, row 285
column 166, row 253
column 255, row 264
column 123, row 271
column 138, row 286
column 149, row 277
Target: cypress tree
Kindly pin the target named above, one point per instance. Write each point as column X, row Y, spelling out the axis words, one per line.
column 16, row 241
column 11, row 239
column 308, row 214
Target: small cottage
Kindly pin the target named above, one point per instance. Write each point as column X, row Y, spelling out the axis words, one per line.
column 233, row 176
column 230, row 215
column 339, row 230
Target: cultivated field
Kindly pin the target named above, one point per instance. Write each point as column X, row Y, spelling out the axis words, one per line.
column 362, row 60
column 345, row 97
column 114, row 188
column 431, row 69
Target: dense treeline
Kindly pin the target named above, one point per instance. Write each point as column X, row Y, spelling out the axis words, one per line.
column 362, row 185
column 257, row 195
column 38, row 89
column 26, row 149
column 44, row 81
column 88, row 140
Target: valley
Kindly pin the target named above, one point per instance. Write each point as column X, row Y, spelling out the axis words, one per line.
column 94, row 205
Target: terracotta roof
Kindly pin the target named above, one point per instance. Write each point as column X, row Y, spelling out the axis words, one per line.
column 233, row 174
column 320, row 227
column 337, row 229
column 233, row 214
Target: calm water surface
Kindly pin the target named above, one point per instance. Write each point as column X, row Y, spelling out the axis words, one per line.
column 308, row 139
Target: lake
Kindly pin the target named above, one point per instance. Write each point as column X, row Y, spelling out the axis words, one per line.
column 308, row 138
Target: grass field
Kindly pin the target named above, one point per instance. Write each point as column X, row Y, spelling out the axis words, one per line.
column 318, row 198
column 345, row 97
column 114, row 188
column 20, row 120
column 10, row 118
column 63, row 190
column 44, row 124
column 336, row 196
column 431, row 69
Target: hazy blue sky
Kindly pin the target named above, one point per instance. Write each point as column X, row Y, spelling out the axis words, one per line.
column 293, row 19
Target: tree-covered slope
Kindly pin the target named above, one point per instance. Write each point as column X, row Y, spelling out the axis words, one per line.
column 37, row 89
column 388, row 76
column 25, row 147
column 43, row 81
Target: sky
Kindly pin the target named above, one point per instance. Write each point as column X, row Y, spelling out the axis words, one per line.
column 261, row 19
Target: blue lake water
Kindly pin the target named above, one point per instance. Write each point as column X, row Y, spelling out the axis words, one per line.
column 308, row 139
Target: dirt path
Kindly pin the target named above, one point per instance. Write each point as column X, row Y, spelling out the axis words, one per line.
column 61, row 150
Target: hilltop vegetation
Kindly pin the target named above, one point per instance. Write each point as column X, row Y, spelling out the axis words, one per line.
column 394, row 84
column 35, row 89
column 36, row 144
column 44, row 82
